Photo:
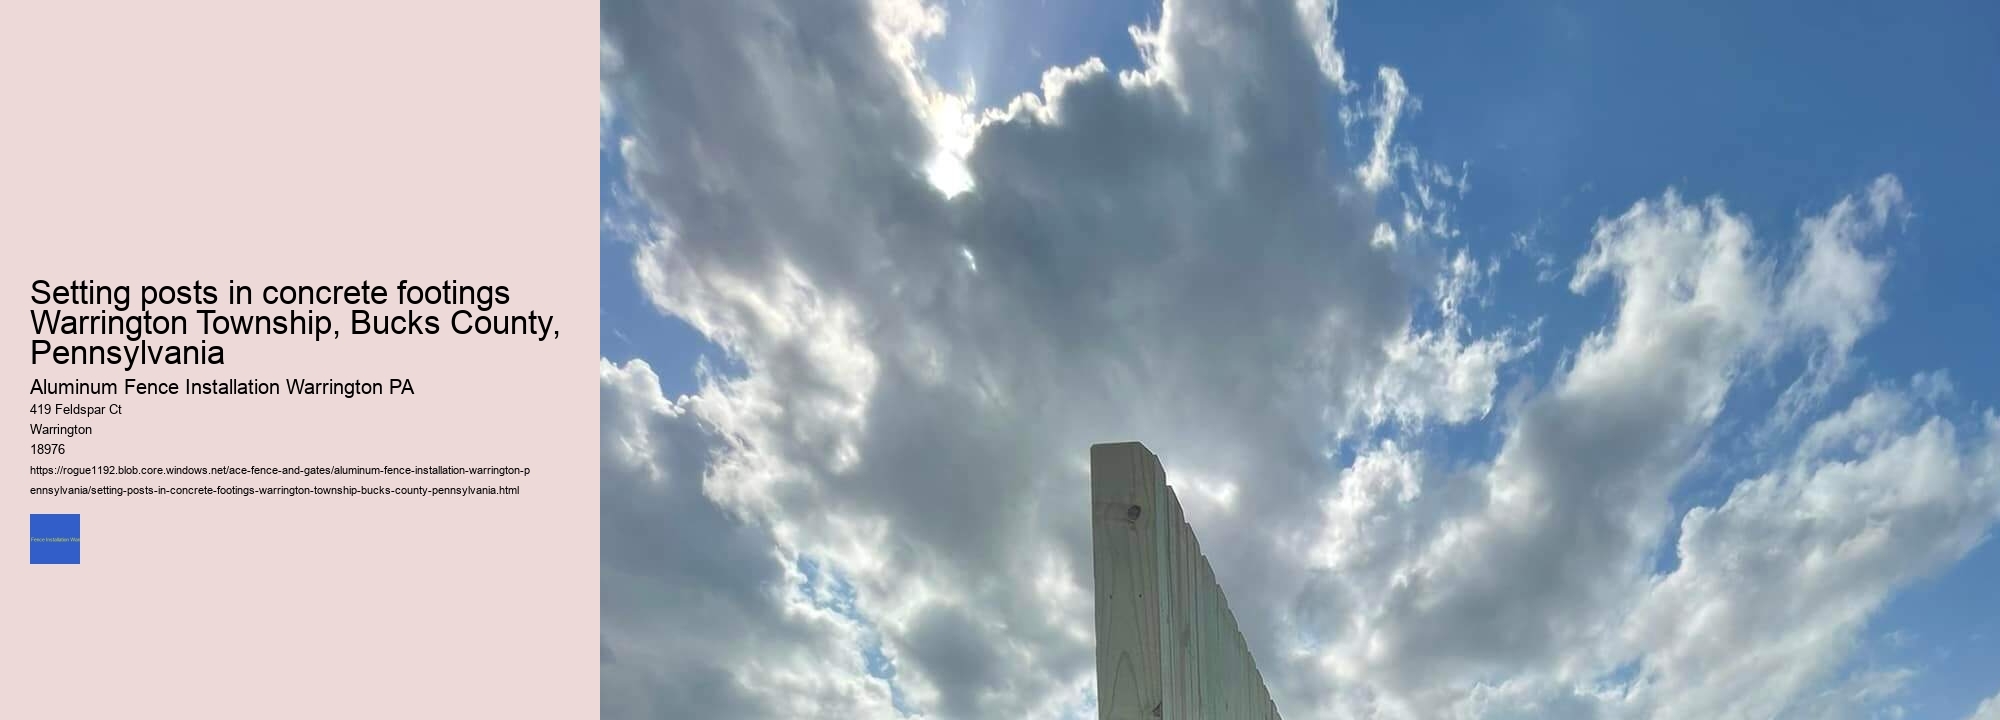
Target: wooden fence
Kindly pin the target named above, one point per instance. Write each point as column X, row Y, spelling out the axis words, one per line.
column 1167, row 645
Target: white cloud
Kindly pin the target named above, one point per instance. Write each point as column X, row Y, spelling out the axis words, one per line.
column 1533, row 552
column 1441, row 372
column 1836, row 290
column 1181, row 253
column 1988, row 710
column 1316, row 17
column 1519, row 585
column 701, row 615
column 1427, row 191
column 1375, row 173
column 1774, row 585
column 914, row 419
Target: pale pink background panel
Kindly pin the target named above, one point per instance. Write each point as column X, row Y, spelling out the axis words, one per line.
column 268, row 143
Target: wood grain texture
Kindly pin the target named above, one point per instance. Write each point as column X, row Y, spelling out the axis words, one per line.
column 1168, row 647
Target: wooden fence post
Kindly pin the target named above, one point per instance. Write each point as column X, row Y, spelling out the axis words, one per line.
column 1168, row 647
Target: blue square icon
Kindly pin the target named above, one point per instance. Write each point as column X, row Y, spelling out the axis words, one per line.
column 55, row 539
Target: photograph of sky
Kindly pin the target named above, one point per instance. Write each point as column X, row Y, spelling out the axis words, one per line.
column 1541, row 359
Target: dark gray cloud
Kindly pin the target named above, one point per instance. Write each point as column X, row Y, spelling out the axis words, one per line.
column 936, row 367
column 1184, row 254
column 693, row 597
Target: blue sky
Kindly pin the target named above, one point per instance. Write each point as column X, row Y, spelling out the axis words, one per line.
column 1557, row 115
column 1566, row 111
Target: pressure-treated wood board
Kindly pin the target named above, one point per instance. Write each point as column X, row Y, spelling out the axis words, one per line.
column 1168, row 647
